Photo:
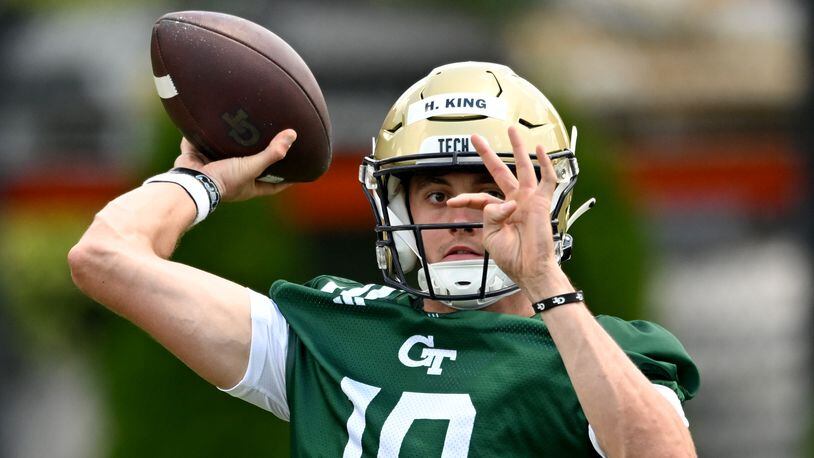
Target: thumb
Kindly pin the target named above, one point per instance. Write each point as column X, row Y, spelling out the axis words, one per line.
column 190, row 157
column 275, row 152
column 497, row 213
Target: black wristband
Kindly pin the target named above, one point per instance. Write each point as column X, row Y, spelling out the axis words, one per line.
column 208, row 184
column 556, row 301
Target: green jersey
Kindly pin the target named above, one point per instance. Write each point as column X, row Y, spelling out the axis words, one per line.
column 370, row 374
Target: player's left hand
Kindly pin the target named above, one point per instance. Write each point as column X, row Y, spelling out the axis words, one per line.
column 516, row 231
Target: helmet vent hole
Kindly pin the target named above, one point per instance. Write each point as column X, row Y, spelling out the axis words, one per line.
column 463, row 283
column 499, row 87
column 393, row 129
column 528, row 124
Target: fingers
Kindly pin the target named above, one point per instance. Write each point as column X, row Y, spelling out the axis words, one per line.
column 525, row 169
column 496, row 214
column 266, row 189
column 473, row 200
column 548, row 177
column 504, row 178
column 275, row 152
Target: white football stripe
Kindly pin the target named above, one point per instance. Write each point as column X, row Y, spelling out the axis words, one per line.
column 165, row 87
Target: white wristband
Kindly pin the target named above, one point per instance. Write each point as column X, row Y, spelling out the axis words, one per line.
column 204, row 196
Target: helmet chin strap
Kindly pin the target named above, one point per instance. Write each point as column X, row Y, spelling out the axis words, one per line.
column 463, row 278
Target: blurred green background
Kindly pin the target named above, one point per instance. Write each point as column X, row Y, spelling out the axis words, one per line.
column 688, row 113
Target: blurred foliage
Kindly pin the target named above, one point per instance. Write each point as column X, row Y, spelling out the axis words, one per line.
column 49, row 312
column 610, row 259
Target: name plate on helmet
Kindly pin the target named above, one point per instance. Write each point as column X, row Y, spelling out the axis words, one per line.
column 458, row 103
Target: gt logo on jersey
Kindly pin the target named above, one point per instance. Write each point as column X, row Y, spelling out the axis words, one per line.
column 430, row 357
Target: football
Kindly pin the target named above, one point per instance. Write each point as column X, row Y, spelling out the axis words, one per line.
column 230, row 85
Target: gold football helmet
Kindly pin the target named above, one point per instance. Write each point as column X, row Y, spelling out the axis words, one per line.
column 428, row 129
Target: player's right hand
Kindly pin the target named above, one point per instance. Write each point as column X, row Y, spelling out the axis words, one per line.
column 237, row 177
column 517, row 231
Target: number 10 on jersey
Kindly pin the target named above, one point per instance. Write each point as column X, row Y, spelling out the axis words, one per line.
column 457, row 408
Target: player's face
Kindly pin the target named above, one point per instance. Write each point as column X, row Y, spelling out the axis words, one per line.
column 428, row 204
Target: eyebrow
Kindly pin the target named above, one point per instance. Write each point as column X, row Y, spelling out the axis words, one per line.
column 424, row 180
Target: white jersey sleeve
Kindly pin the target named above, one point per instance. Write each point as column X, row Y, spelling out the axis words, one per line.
column 263, row 384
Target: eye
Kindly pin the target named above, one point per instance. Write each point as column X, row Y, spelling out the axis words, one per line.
column 437, row 197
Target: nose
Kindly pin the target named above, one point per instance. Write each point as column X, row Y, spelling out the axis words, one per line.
column 464, row 215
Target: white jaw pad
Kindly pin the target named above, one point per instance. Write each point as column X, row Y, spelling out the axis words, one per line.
column 405, row 244
column 397, row 212
column 458, row 278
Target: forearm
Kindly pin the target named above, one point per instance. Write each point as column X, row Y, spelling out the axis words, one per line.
column 628, row 415
column 121, row 263
column 152, row 217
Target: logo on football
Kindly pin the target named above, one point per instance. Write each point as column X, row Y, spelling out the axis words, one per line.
column 242, row 131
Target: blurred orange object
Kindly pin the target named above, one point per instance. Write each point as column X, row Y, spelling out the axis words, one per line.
column 754, row 176
column 334, row 201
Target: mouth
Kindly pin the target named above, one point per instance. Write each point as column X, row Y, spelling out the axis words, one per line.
column 459, row 252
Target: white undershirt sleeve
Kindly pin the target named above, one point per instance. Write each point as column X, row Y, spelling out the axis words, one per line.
column 263, row 384
column 668, row 394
